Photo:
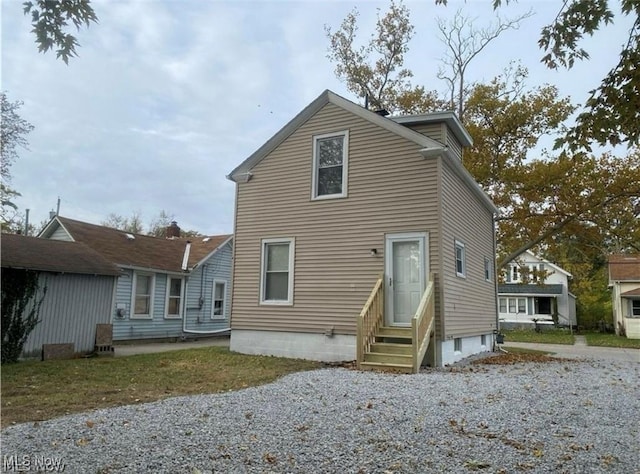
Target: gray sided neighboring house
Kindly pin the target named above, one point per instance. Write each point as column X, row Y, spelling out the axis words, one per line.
column 168, row 288
column 80, row 288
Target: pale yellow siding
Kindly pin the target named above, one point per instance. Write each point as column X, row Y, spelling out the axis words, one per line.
column 391, row 189
column 469, row 303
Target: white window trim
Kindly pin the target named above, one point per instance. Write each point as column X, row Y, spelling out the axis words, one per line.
column 152, row 288
column 345, row 166
column 219, row 317
column 263, row 256
column 460, row 245
column 166, row 301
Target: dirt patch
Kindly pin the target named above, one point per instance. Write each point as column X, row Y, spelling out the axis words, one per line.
column 517, row 358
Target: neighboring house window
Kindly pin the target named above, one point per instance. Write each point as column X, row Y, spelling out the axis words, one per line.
column 487, row 269
column 143, row 295
column 514, row 273
column 457, row 344
column 330, row 165
column 460, row 259
column 522, row 305
column 219, row 299
column 174, row 297
column 503, row 305
column 635, row 308
column 518, row 305
column 276, row 285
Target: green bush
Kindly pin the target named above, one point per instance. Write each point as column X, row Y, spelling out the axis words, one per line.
column 20, row 309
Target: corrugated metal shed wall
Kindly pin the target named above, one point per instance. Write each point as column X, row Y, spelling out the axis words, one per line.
column 72, row 307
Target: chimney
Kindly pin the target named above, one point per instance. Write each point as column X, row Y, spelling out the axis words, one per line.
column 173, row 231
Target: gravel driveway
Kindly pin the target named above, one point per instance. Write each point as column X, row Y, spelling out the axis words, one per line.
column 566, row 417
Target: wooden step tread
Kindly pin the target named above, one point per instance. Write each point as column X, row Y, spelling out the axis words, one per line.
column 391, row 348
column 400, row 333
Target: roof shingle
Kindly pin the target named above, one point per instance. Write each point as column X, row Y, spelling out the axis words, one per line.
column 32, row 253
column 623, row 267
column 141, row 251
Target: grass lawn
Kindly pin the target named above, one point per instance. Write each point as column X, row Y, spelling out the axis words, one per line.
column 34, row 390
column 611, row 340
column 546, row 336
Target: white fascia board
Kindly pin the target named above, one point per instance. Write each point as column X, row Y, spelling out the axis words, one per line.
column 52, row 226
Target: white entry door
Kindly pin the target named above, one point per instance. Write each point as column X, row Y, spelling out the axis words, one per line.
column 405, row 270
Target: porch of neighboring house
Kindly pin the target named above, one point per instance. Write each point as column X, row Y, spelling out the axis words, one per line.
column 400, row 345
column 530, row 306
column 631, row 312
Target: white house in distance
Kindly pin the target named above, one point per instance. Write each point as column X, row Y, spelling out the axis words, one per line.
column 624, row 281
column 535, row 290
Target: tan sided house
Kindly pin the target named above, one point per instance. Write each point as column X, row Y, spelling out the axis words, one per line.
column 363, row 237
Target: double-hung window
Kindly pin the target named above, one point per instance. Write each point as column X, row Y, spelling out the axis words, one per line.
column 460, row 259
column 635, row 308
column 219, row 299
column 276, row 279
column 174, row 297
column 330, row 157
column 143, row 284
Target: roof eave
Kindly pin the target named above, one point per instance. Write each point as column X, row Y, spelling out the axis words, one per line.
column 242, row 173
column 449, row 117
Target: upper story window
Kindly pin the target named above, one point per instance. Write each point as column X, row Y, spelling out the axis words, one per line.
column 276, row 279
column 330, row 159
column 143, row 284
column 461, row 265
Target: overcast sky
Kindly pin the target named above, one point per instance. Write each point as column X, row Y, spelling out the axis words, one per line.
column 167, row 97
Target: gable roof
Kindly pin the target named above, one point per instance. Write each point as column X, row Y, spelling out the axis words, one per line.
column 243, row 171
column 624, row 267
column 57, row 256
column 541, row 260
column 136, row 250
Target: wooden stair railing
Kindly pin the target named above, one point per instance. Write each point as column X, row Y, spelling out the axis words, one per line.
column 422, row 325
column 394, row 348
column 369, row 321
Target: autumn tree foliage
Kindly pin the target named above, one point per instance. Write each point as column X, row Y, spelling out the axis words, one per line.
column 572, row 206
column 612, row 110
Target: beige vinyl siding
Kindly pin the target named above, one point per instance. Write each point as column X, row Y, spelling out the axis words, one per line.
column 469, row 303
column 390, row 189
column 436, row 131
column 454, row 145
